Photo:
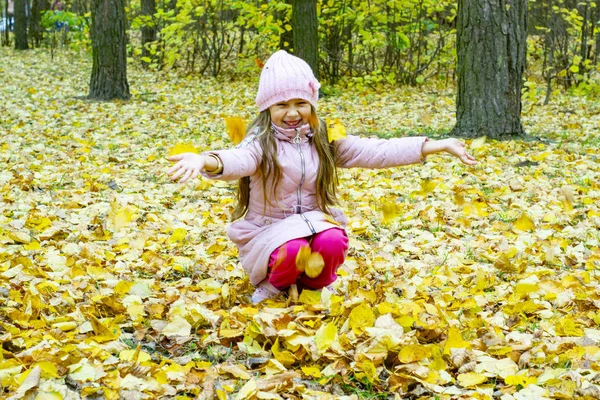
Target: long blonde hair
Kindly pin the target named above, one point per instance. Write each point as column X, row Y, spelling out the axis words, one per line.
column 270, row 168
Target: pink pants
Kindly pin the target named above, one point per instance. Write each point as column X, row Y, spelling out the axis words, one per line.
column 332, row 244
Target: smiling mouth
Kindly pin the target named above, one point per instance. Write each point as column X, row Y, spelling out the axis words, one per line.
column 293, row 124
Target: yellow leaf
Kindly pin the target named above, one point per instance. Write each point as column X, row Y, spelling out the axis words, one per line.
column 455, row 341
column 103, row 333
column 478, row 208
column 34, row 245
column 369, row 370
column 524, row 223
column 121, row 216
column 325, row 336
column 568, row 327
column 310, row 297
column 48, row 368
column 390, row 210
column 236, row 129
column 477, row 143
column 427, row 187
column 221, row 395
column 335, row 130
column 177, row 236
column 361, row 317
column 123, row 287
column 311, row 371
column 236, row 370
column 130, row 355
column 520, row 380
column 315, row 265
column 413, row 353
column 181, row 148
column 20, row 237
column 283, row 356
column 65, row 326
column 248, row 390
column 302, row 258
column 471, row 379
column 526, row 288
column 48, row 396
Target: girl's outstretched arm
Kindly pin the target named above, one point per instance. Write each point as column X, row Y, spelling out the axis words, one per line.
column 451, row 146
column 189, row 166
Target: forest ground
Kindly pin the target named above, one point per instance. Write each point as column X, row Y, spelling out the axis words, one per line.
column 460, row 282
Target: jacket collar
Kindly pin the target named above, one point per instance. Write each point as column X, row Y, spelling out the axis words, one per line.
column 290, row 134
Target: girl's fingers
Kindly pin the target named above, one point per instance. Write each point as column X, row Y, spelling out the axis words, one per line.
column 186, row 176
column 177, row 174
column 176, row 157
column 173, row 168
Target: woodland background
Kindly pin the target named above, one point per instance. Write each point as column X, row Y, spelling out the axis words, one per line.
column 461, row 282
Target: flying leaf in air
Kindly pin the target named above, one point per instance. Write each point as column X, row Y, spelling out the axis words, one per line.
column 314, row 265
column 335, row 130
column 181, row 148
column 302, row 258
column 236, row 129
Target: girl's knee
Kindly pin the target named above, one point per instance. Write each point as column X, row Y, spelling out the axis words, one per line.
column 331, row 241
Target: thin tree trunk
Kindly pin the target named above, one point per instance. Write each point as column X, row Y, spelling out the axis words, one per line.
column 35, row 27
column 148, row 30
column 21, row 25
column 109, row 68
column 8, row 25
column 304, row 28
column 491, row 49
column 597, row 31
column 584, row 33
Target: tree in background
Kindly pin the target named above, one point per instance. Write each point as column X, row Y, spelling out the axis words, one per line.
column 491, row 47
column 148, row 8
column 305, row 32
column 21, row 25
column 109, row 69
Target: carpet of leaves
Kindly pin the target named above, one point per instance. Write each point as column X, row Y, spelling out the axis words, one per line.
column 461, row 282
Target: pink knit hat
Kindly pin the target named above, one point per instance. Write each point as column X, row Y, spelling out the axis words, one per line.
column 285, row 77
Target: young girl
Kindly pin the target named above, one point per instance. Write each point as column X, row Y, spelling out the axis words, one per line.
column 288, row 181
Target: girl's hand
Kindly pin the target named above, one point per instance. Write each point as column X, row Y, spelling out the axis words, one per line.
column 457, row 149
column 188, row 166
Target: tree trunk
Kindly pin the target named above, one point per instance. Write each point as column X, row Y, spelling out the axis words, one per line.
column 304, row 28
column 21, row 25
column 8, row 25
column 148, row 30
column 109, row 68
column 35, row 27
column 491, row 49
column 597, row 30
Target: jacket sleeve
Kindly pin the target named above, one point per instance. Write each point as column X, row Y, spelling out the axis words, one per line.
column 354, row 151
column 237, row 163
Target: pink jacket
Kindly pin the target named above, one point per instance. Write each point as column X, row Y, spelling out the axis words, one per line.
column 296, row 213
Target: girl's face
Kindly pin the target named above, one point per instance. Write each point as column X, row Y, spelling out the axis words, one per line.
column 290, row 114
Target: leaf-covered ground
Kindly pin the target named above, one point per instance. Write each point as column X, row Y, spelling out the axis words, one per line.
column 460, row 283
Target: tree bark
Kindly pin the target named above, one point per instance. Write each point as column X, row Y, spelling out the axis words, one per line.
column 109, row 68
column 148, row 29
column 597, row 31
column 305, row 33
column 21, row 25
column 35, row 26
column 8, row 26
column 491, row 49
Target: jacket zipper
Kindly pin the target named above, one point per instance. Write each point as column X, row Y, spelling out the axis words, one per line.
column 299, row 211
